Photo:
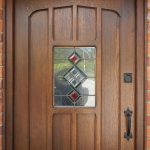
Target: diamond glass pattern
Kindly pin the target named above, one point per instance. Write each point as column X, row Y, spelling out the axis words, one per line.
column 74, row 96
column 75, row 77
column 74, row 58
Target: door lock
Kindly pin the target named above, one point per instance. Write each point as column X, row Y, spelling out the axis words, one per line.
column 128, row 77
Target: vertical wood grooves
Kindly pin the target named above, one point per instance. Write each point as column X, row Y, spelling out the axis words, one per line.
column 74, row 23
column 50, row 25
column 50, row 127
column 74, row 130
column 50, row 58
column 47, row 74
column 141, row 33
column 119, row 137
column 99, row 78
column 119, row 86
column 50, row 82
column 29, row 49
column 95, row 132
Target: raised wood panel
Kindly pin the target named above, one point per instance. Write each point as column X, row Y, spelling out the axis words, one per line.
column 63, row 23
column 86, row 131
column 61, row 132
column 38, row 48
column 86, row 23
column 110, row 81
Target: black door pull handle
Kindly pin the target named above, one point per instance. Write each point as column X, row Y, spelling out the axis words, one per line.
column 128, row 115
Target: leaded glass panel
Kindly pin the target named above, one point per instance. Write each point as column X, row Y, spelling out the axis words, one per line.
column 74, row 76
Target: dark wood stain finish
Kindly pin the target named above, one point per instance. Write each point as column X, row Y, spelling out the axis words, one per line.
column 33, row 28
column 110, row 80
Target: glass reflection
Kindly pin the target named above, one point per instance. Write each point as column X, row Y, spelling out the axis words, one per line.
column 61, row 67
column 86, row 101
column 86, row 52
column 87, row 87
column 88, row 67
column 62, row 52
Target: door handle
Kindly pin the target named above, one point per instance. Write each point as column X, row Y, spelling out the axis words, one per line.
column 128, row 115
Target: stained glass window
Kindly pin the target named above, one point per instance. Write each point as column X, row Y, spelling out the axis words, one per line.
column 74, row 76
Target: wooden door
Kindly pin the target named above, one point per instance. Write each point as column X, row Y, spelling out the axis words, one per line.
column 87, row 48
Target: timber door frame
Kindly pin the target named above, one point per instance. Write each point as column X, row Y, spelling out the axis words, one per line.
column 140, row 73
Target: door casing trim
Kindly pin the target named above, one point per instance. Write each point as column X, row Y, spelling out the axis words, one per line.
column 141, row 39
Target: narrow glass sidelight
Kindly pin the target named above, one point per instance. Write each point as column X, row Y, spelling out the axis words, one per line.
column 74, row 76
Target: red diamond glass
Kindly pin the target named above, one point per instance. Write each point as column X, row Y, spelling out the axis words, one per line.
column 74, row 96
column 74, row 58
